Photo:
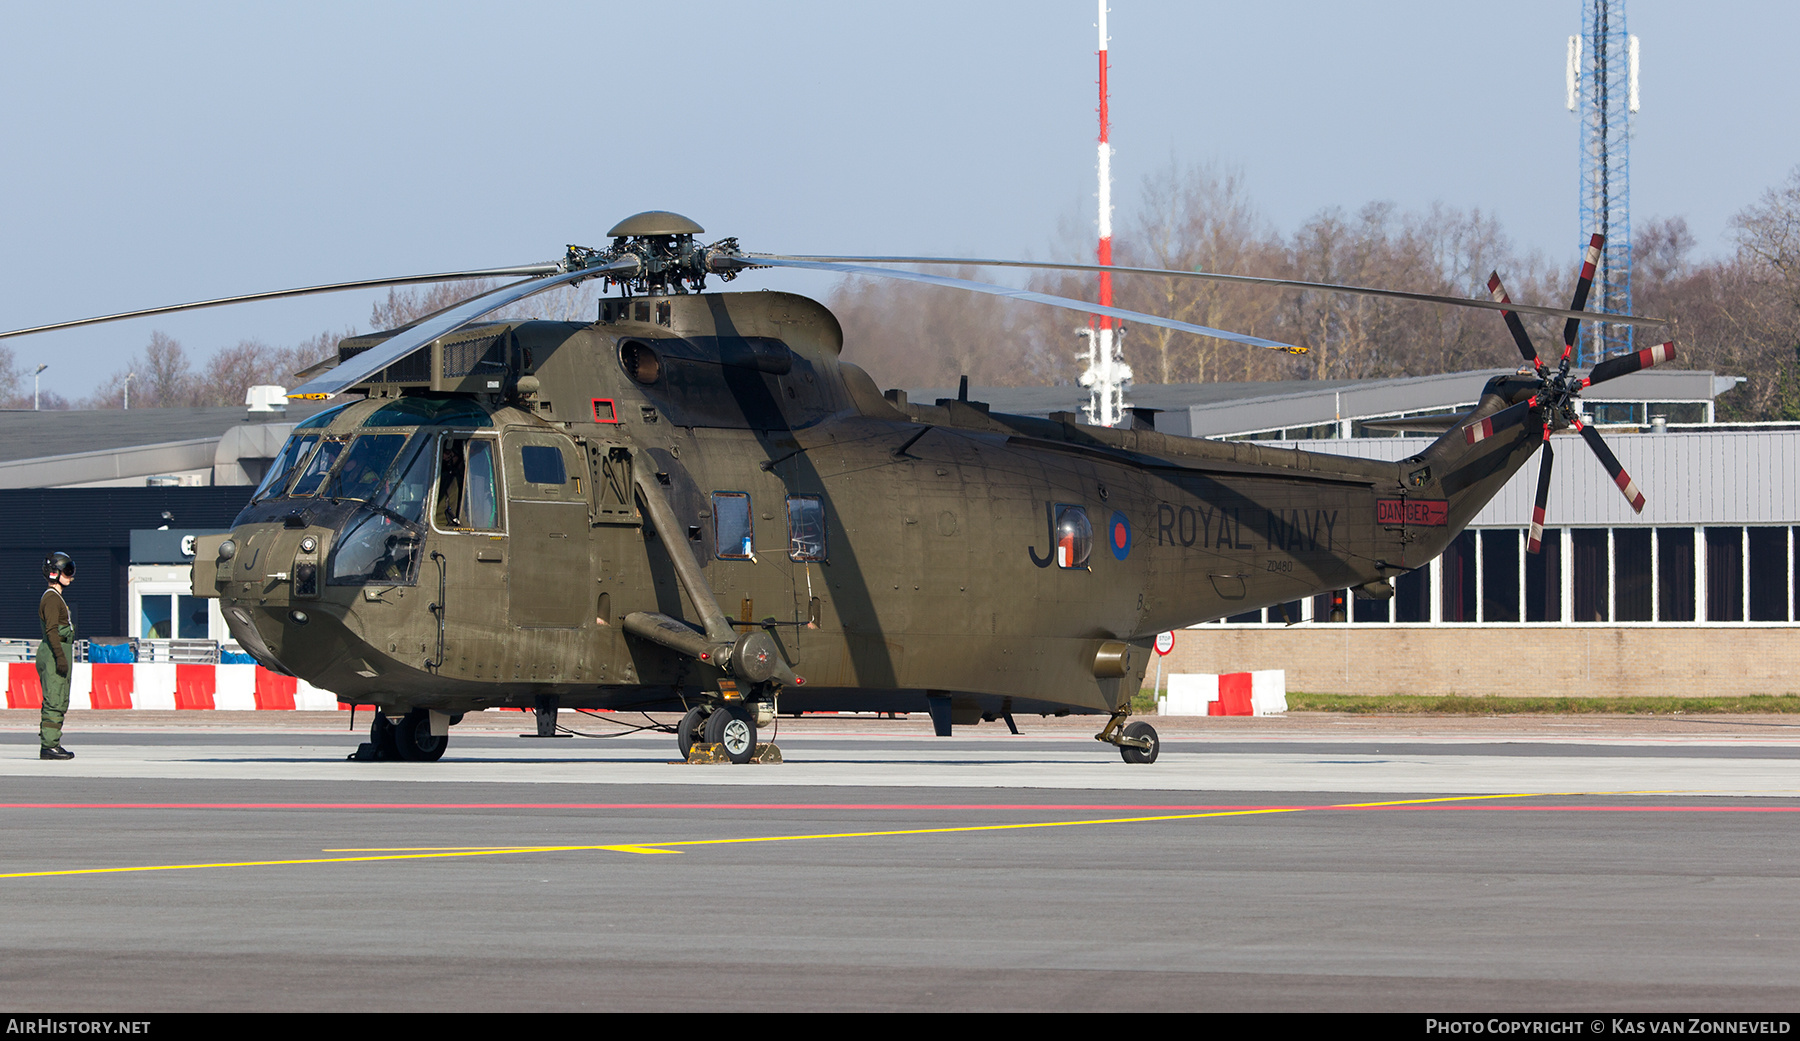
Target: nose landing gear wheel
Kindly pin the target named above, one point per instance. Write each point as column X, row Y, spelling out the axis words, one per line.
column 415, row 741
column 692, row 730
column 1141, row 731
column 734, row 731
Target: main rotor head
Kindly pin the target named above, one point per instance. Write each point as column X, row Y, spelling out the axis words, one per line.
column 654, row 252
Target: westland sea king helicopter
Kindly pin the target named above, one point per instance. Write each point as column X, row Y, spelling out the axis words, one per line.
column 694, row 503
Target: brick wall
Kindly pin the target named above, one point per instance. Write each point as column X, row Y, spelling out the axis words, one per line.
column 1551, row 661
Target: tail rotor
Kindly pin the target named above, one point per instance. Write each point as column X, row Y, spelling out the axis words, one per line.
column 1554, row 402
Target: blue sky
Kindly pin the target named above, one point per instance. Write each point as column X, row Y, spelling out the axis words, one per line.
column 159, row 153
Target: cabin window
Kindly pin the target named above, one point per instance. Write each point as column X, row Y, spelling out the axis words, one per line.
column 1074, row 538
column 732, row 531
column 542, row 464
column 806, row 528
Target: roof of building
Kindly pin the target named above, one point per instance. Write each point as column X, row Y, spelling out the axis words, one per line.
column 28, row 434
column 1212, row 409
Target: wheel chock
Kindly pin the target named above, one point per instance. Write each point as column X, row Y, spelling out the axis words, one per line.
column 702, row 754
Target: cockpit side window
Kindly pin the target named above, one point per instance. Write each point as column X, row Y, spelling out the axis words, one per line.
column 284, row 464
column 468, row 485
column 315, row 470
column 409, row 481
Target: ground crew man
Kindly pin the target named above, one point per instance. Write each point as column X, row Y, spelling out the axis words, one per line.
column 55, row 655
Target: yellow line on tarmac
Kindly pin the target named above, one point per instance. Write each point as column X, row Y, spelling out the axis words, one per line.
column 427, row 853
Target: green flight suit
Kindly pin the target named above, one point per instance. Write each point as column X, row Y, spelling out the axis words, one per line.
column 54, row 664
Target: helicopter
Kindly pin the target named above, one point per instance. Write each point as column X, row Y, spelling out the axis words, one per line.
column 693, row 503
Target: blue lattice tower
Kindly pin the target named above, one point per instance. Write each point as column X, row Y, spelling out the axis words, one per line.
column 1602, row 89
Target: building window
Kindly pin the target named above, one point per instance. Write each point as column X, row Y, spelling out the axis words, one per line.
column 1590, row 574
column 1375, row 611
column 1632, row 587
column 1412, row 596
column 1768, row 574
column 1457, row 566
column 1500, row 575
column 1543, row 579
column 1675, row 574
column 1724, row 574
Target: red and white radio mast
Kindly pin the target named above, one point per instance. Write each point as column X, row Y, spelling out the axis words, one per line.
column 1107, row 375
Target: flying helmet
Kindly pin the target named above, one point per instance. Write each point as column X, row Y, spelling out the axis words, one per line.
column 59, row 563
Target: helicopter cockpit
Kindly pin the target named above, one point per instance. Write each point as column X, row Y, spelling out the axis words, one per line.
column 370, row 480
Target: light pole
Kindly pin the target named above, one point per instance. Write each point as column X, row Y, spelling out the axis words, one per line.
column 34, row 385
column 128, row 388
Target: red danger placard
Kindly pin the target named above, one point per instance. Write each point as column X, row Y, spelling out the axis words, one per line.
column 1425, row 513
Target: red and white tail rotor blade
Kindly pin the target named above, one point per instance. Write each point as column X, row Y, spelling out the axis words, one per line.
column 1513, row 325
column 1627, row 486
column 1619, row 365
column 1589, row 262
column 1535, row 541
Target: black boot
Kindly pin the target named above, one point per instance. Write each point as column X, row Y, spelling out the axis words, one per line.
column 55, row 752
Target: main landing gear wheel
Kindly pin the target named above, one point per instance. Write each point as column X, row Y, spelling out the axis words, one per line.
column 692, row 730
column 1142, row 731
column 415, row 741
column 733, row 730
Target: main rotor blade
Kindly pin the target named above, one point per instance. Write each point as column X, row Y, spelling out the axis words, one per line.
column 1249, row 280
column 990, row 289
column 1535, row 541
column 401, row 344
column 1513, row 325
column 278, row 294
column 1627, row 486
column 1621, row 364
column 1589, row 261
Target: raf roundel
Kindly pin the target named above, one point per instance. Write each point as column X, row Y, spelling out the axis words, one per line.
column 1118, row 535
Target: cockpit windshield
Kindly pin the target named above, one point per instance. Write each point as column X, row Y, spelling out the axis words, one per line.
column 380, row 542
column 366, row 462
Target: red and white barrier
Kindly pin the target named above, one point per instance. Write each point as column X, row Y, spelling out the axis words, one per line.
column 170, row 686
column 1261, row 693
